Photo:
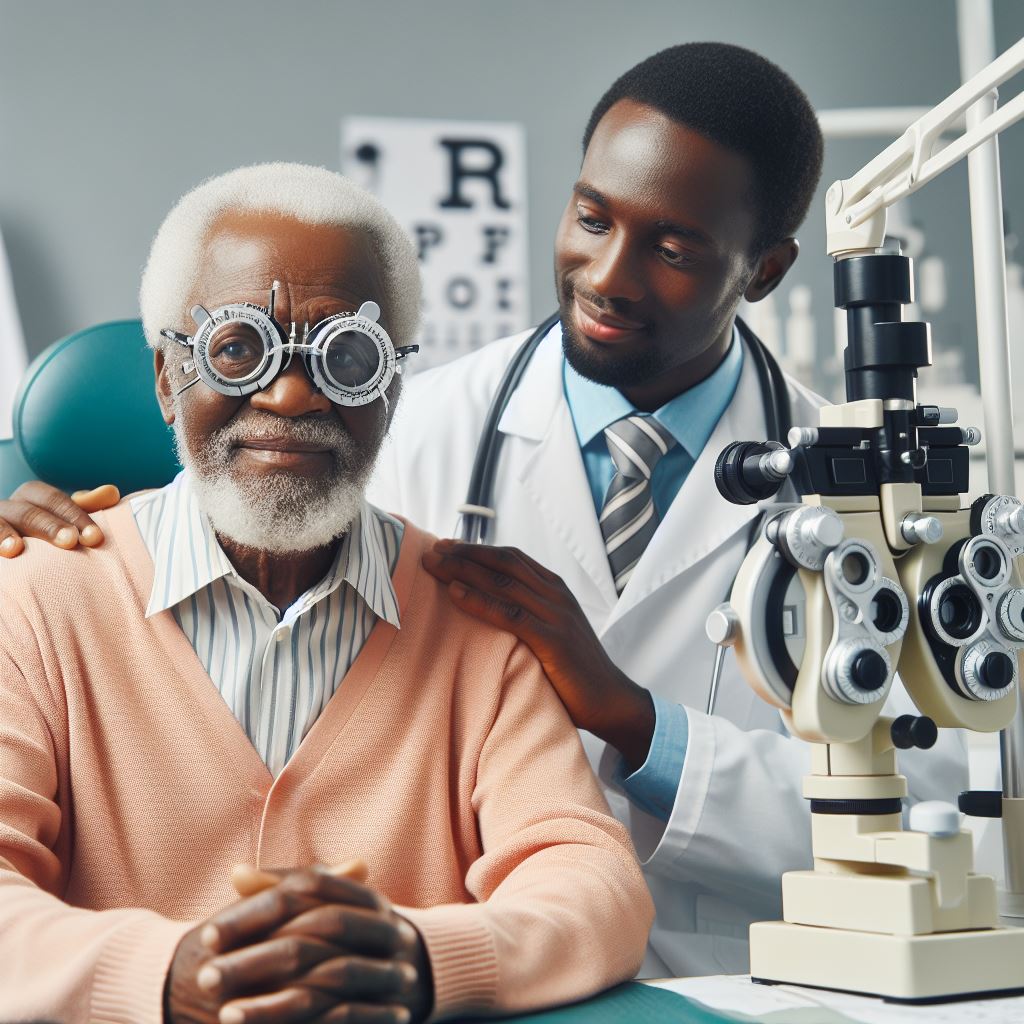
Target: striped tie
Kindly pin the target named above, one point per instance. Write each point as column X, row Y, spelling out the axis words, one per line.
column 628, row 519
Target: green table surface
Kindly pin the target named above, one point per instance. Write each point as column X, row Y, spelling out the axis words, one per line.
column 631, row 1003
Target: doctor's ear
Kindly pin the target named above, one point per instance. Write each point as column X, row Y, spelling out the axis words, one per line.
column 164, row 393
column 771, row 268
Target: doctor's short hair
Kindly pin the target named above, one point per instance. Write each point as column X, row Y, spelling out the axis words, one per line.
column 742, row 101
column 311, row 195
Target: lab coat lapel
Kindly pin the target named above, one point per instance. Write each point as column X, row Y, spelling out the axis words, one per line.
column 551, row 473
column 699, row 520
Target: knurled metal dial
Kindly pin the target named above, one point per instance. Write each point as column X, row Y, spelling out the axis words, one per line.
column 987, row 670
column 1011, row 614
column 807, row 535
column 1002, row 517
column 858, row 671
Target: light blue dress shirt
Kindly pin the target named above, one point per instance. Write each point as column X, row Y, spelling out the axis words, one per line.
column 691, row 418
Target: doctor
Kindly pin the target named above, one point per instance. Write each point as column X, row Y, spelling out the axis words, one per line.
column 613, row 542
column 698, row 167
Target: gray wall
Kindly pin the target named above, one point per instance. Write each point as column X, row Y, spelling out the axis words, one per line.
column 110, row 110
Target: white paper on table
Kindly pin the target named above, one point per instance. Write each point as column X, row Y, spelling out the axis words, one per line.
column 791, row 1004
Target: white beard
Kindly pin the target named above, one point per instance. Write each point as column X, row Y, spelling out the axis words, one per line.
column 282, row 512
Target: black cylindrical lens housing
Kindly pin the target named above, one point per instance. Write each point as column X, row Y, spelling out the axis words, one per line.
column 883, row 354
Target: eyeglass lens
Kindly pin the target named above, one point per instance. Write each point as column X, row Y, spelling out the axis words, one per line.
column 351, row 359
column 235, row 351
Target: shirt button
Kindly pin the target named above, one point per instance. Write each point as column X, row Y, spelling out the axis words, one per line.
column 282, row 635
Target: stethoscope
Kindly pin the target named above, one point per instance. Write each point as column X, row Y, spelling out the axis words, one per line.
column 478, row 509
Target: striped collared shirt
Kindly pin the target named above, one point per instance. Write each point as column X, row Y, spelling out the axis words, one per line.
column 276, row 671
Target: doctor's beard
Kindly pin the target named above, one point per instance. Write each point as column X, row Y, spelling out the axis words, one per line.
column 607, row 365
column 279, row 512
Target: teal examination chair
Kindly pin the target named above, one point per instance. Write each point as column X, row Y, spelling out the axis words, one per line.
column 86, row 414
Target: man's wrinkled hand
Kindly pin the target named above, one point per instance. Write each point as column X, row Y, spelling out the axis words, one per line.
column 309, row 945
column 508, row 589
column 39, row 510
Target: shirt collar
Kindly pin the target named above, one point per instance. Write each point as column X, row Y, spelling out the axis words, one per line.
column 187, row 557
column 690, row 417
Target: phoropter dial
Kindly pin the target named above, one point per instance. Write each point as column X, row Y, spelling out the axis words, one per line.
column 974, row 617
column 986, row 563
column 870, row 613
column 1011, row 614
column 986, row 670
column 857, row 671
column 806, row 534
column 954, row 614
column 1001, row 516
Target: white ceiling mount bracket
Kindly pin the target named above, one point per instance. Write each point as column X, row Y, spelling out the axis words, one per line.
column 855, row 207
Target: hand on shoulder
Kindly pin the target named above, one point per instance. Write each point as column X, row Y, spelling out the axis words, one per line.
column 39, row 510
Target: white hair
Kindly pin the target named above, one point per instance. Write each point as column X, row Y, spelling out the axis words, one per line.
column 311, row 195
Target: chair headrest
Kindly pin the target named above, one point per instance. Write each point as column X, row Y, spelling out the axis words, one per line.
column 86, row 412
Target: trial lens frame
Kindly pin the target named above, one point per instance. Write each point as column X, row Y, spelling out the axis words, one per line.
column 279, row 347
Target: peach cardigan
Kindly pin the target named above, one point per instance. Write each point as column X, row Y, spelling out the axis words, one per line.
column 128, row 790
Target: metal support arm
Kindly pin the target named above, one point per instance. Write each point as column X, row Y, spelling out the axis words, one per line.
column 855, row 206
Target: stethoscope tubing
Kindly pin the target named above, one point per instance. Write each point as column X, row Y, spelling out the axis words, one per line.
column 477, row 510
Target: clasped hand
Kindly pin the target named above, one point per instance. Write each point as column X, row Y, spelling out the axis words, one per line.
column 306, row 945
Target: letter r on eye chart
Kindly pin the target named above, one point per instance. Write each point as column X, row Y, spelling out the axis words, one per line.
column 459, row 189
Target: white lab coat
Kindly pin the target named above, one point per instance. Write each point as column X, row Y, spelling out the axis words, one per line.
column 739, row 818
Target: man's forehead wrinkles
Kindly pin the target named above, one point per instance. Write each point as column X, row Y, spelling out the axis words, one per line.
column 244, row 283
column 322, row 270
column 316, row 304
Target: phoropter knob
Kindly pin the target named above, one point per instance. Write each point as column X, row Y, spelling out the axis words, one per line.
column 909, row 731
column 824, row 530
column 996, row 670
column 722, row 625
column 919, row 529
column 1010, row 519
column 856, row 672
column 747, row 472
column 987, row 671
column 1002, row 516
column 868, row 671
column 806, row 535
column 1011, row 614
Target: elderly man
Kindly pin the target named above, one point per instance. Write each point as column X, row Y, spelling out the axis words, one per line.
column 255, row 669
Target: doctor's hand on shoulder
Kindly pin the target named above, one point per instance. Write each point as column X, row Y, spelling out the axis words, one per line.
column 506, row 588
column 38, row 510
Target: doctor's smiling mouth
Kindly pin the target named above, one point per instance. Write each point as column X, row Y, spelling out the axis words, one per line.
column 600, row 325
column 605, row 346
